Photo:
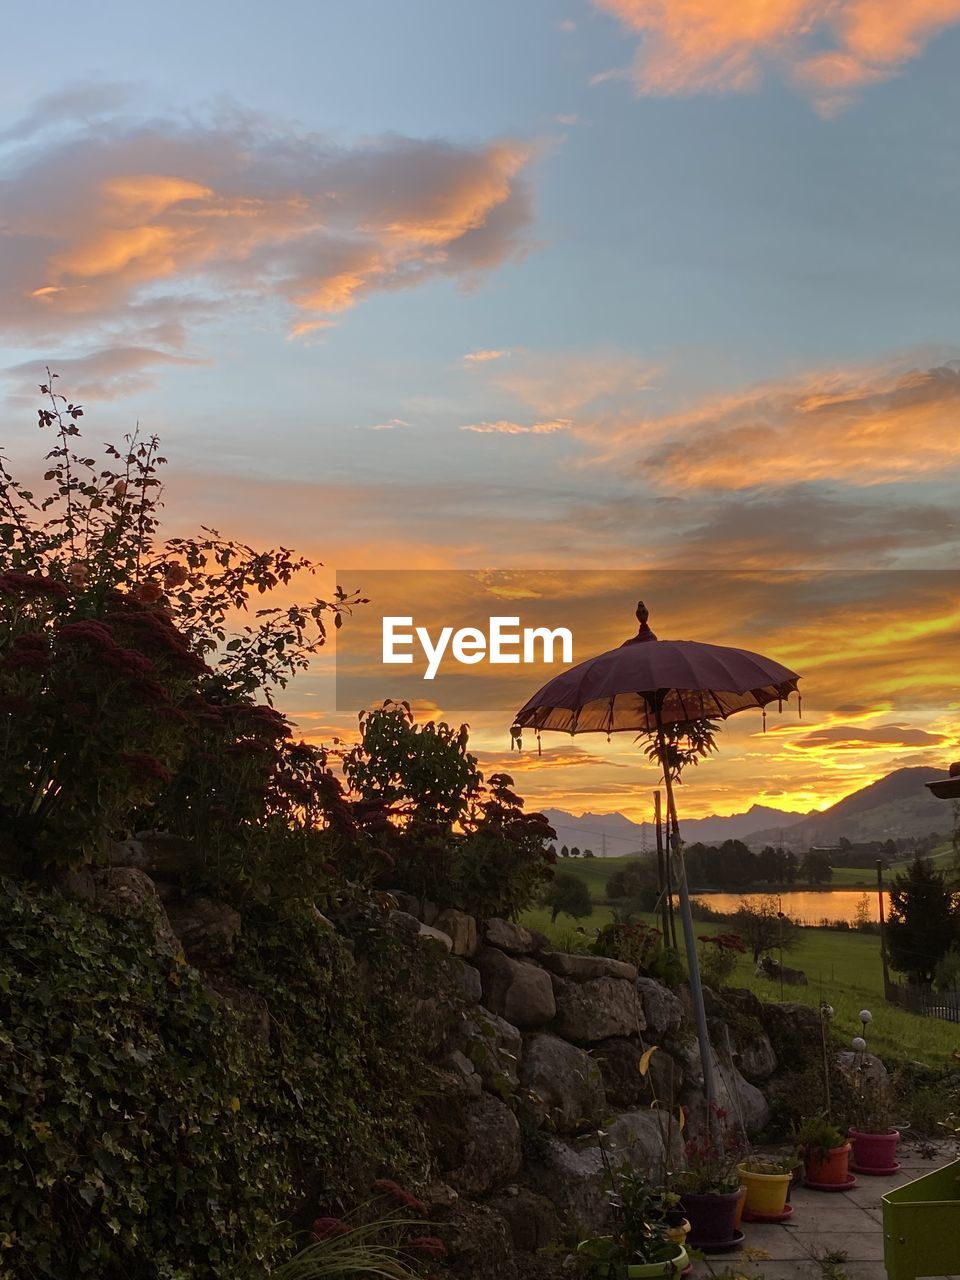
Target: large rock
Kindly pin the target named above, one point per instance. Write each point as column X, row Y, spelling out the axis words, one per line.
column 794, row 1031
column 208, row 929
column 533, row 1221
column 489, row 1147
column 478, row 1244
column 493, row 1045
column 435, row 937
column 461, row 928
column 129, row 891
column 619, row 1063
column 596, row 1009
column 662, row 1009
column 649, row 1141
column 743, row 1102
column 459, row 1065
column 517, row 990
column 512, row 938
column 562, row 1088
column 753, row 1054
column 468, row 982
column 573, row 1178
column 565, row 965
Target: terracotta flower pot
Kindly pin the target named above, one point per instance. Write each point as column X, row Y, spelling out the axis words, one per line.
column 713, row 1216
column 874, row 1152
column 827, row 1168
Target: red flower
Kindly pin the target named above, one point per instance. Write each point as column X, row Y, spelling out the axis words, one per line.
column 328, row 1228
column 145, row 766
column 387, row 1187
column 432, row 1246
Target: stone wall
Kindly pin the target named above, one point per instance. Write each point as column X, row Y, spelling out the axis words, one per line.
column 547, row 1058
column 543, row 1058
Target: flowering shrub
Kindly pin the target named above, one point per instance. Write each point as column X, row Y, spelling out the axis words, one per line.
column 123, row 696
column 719, row 955
column 633, row 941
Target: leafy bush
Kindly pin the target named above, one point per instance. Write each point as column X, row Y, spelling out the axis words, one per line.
column 124, row 699
column 719, row 955
column 636, row 943
column 438, row 829
column 143, row 1133
column 131, row 1138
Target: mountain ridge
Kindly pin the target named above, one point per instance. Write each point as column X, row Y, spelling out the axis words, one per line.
column 894, row 806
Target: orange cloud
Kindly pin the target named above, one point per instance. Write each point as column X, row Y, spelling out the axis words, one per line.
column 725, row 46
column 226, row 211
column 864, row 427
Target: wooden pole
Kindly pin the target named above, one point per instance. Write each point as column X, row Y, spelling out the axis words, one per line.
column 662, row 872
column 689, row 937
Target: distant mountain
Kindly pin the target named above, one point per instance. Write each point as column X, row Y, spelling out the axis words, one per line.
column 615, row 834
column 894, row 806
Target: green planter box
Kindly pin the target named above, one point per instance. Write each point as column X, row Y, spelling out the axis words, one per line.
column 921, row 1226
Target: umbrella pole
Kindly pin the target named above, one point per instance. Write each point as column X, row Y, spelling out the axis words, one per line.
column 689, row 939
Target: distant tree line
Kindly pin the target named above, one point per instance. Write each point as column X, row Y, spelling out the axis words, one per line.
column 733, row 866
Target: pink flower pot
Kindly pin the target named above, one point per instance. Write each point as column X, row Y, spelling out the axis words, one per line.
column 874, row 1152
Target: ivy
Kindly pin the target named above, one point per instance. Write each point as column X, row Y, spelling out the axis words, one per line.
column 130, row 1143
column 144, row 1133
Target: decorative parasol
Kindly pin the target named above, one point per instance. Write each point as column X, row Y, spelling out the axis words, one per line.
column 643, row 686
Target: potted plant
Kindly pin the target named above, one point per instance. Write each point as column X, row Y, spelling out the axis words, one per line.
column 872, row 1132
column 710, row 1190
column 767, row 1182
column 825, row 1154
column 641, row 1244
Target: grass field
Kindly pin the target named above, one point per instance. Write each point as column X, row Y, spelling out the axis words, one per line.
column 842, row 967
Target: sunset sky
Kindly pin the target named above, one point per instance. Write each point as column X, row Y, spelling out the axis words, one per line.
column 622, row 286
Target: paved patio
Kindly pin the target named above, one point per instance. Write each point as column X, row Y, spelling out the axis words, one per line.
column 825, row 1223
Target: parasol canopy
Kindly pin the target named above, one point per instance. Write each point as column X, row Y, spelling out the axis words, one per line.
column 646, row 685
column 684, row 680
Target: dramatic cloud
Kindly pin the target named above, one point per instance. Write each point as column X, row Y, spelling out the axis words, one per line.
column 115, row 215
column 864, row 427
column 830, row 48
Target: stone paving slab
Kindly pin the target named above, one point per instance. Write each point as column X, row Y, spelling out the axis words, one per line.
column 849, row 1222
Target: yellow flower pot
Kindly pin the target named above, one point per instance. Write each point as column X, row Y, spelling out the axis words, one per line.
column 678, row 1234
column 766, row 1192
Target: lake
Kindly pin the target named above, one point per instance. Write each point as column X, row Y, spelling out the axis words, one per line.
column 806, row 906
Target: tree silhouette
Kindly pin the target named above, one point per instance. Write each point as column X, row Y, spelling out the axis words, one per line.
column 924, row 920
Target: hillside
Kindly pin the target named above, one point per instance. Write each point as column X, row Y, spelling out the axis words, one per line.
column 893, row 806
column 896, row 805
column 615, row 834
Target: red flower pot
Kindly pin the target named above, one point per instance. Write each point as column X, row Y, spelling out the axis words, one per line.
column 827, row 1168
column 875, row 1152
column 712, row 1217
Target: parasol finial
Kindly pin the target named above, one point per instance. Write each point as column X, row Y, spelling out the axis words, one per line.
column 644, row 633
